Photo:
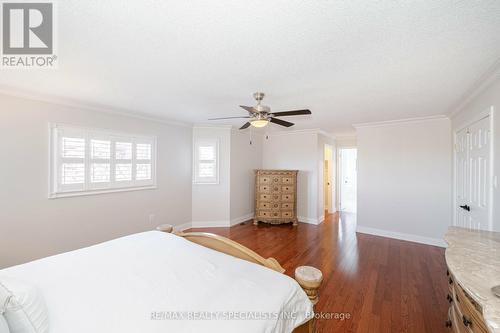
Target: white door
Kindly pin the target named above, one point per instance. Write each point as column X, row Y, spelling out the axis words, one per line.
column 326, row 185
column 462, row 178
column 479, row 174
column 348, row 175
column 473, row 178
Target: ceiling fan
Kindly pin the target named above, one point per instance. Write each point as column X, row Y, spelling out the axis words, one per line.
column 261, row 115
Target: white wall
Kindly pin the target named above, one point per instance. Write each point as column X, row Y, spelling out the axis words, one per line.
column 297, row 151
column 346, row 142
column 32, row 226
column 404, row 180
column 211, row 202
column 245, row 158
column 469, row 113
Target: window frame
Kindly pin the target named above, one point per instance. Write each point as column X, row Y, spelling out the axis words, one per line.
column 59, row 190
column 196, row 162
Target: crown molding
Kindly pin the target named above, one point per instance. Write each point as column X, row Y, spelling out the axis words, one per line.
column 302, row 131
column 483, row 83
column 328, row 135
column 61, row 101
column 399, row 121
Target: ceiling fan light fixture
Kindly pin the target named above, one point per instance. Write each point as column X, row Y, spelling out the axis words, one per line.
column 260, row 115
column 259, row 122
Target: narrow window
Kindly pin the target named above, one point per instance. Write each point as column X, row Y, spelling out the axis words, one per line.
column 206, row 162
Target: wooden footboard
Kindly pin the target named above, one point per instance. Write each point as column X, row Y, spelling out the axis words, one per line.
column 308, row 278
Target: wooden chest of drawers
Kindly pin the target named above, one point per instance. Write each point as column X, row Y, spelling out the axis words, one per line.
column 465, row 315
column 473, row 261
column 276, row 196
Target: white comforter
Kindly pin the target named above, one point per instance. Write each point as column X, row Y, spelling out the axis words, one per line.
column 157, row 282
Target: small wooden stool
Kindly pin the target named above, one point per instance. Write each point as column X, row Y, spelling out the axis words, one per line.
column 168, row 228
column 309, row 278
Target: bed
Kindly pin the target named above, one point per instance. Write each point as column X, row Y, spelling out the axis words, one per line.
column 159, row 281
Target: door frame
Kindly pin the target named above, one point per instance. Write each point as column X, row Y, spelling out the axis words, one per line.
column 339, row 176
column 489, row 112
column 331, row 204
column 338, row 165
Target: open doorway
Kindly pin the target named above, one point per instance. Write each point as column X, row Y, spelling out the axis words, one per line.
column 328, row 188
column 348, row 179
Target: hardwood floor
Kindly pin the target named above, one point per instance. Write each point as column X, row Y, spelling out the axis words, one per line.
column 385, row 285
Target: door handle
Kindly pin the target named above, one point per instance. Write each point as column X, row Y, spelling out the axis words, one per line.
column 467, row 208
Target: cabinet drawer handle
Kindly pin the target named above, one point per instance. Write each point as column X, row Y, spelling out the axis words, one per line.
column 466, row 321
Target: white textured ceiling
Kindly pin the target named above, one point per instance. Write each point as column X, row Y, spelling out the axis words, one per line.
column 348, row 61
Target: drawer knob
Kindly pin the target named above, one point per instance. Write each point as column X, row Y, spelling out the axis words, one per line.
column 448, row 323
column 466, row 321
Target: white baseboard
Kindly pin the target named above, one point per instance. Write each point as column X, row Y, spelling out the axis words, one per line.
column 242, row 219
column 309, row 220
column 222, row 223
column 211, row 224
column 182, row 227
column 402, row 236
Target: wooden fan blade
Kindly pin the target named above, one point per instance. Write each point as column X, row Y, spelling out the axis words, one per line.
column 281, row 122
column 291, row 113
column 229, row 118
column 248, row 108
column 245, row 126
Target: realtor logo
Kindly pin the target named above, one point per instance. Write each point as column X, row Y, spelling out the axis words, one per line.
column 28, row 34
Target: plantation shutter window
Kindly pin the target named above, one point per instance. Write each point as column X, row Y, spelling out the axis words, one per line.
column 206, row 162
column 123, row 161
column 100, row 162
column 89, row 161
column 71, row 159
column 143, row 161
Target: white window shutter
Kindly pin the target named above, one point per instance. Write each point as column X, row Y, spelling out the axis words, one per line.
column 87, row 161
column 206, row 169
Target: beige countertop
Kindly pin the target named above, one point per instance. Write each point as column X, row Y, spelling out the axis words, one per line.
column 473, row 258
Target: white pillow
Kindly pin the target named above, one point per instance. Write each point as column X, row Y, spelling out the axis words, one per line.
column 3, row 324
column 25, row 309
